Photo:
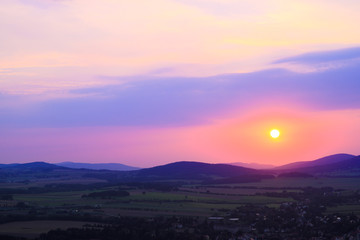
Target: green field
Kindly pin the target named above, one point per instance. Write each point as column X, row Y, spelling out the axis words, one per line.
column 32, row 229
column 158, row 203
column 64, row 209
column 337, row 183
column 344, row 209
column 191, row 199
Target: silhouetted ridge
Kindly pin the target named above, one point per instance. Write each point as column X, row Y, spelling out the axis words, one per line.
column 37, row 165
column 349, row 167
column 31, row 166
column 352, row 165
column 318, row 162
column 98, row 166
column 191, row 170
column 252, row 165
column 29, row 170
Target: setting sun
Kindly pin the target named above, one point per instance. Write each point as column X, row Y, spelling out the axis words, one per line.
column 274, row 133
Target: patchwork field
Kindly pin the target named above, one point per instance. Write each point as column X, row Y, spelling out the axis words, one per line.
column 74, row 208
column 32, row 229
column 177, row 203
column 199, row 200
column 282, row 183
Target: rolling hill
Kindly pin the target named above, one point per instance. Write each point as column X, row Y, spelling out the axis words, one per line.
column 199, row 171
column 40, row 171
column 315, row 163
column 335, row 165
column 178, row 170
column 348, row 167
column 195, row 169
column 98, row 166
column 252, row 165
column 33, row 166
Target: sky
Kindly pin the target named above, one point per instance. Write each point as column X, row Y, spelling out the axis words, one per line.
column 146, row 83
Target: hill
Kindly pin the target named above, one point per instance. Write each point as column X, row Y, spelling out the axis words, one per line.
column 211, row 173
column 318, row 162
column 335, row 165
column 348, row 167
column 252, row 165
column 41, row 172
column 198, row 171
column 195, row 168
column 98, row 166
column 33, row 166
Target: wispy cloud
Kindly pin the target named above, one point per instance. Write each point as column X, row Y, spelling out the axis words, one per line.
column 323, row 56
column 156, row 101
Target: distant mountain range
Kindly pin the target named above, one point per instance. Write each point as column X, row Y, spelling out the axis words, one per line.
column 346, row 167
column 252, row 165
column 318, row 162
column 334, row 165
column 34, row 171
column 98, row 166
column 32, row 166
column 194, row 170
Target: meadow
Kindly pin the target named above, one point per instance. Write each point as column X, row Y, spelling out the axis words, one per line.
column 32, row 229
column 193, row 199
column 74, row 208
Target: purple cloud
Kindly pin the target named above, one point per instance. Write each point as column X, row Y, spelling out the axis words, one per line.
column 324, row 56
column 182, row 101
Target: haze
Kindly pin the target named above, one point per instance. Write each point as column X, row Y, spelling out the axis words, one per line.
column 145, row 83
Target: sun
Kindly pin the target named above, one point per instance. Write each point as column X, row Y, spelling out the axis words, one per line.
column 274, row 133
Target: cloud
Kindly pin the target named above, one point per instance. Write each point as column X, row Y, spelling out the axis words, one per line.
column 231, row 35
column 324, row 56
column 180, row 101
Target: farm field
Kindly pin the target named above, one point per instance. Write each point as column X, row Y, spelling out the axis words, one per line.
column 31, row 229
column 34, row 208
column 344, row 209
column 284, row 183
column 156, row 202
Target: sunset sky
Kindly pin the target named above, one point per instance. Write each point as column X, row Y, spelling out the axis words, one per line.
column 145, row 83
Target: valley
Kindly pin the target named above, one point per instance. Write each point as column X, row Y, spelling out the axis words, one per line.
column 219, row 201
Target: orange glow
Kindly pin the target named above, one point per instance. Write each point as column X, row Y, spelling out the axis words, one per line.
column 304, row 136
